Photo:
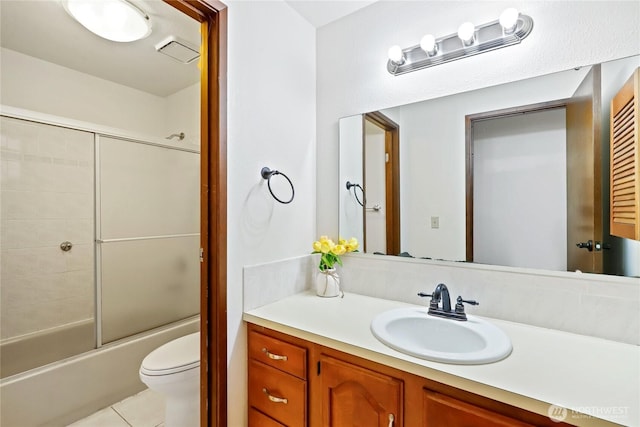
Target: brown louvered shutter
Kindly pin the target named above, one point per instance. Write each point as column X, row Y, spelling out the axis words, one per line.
column 625, row 161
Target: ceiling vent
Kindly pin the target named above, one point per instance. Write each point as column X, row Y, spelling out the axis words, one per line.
column 178, row 49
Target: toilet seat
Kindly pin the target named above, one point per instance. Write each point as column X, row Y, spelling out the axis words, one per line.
column 176, row 356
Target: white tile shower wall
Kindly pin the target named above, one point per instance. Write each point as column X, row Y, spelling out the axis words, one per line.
column 47, row 198
column 270, row 282
column 588, row 304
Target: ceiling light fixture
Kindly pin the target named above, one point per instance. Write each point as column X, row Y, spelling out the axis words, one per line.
column 510, row 29
column 115, row 20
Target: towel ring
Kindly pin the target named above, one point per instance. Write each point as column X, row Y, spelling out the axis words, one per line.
column 364, row 199
column 267, row 173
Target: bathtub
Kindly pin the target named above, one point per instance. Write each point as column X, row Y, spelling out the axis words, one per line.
column 68, row 390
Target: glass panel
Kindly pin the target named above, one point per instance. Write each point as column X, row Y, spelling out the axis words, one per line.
column 147, row 190
column 46, row 294
column 148, row 283
column 149, row 225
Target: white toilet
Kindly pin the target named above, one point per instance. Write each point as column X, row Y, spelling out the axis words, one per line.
column 173, row 370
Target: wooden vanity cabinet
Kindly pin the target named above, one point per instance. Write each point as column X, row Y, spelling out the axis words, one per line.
column 329, row 388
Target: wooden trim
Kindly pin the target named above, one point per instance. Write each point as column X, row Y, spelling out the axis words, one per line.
column 213, row 207
column 469, row 122
column 392, row 178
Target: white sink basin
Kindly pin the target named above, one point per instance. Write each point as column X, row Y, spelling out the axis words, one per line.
column 412, row 331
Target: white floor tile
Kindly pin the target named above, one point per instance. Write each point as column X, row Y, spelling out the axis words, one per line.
column 104, row 418
column 145, row 409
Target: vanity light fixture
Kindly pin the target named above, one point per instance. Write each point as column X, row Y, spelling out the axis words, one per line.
column 511, row 28
column 115, row 20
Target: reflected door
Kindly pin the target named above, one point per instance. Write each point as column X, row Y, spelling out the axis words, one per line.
column 584, row 175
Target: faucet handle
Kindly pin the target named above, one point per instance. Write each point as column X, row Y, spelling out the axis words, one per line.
column 471, row 302
column 460, row 307
column 433, row 305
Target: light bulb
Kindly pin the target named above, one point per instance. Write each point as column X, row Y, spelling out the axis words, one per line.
column 509, row 19
column 396, row 55
column 466, row 33
column 428, row 44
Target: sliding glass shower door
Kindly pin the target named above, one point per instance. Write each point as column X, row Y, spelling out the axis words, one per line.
column 148, row 236
column 47, row 287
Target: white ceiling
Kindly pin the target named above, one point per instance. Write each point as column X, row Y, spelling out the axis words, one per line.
column 43, row 29
column 322, row 12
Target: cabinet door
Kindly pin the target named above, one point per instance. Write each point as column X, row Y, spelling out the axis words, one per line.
column 353, row 396
column 445, row 411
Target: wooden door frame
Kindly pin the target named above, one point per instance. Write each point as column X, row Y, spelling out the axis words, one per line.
column 469, row 122
column 392, row 178
column 212, row 16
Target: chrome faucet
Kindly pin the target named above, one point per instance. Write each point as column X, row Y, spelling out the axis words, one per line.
column 441, row 294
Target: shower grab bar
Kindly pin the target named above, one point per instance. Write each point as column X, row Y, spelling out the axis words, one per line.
column 131, row 239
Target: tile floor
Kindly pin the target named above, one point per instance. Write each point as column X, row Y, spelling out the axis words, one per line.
column 145, row 409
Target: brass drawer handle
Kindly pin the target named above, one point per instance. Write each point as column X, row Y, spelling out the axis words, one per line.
column 275, row 399
column 273, row 356
column 391, row 420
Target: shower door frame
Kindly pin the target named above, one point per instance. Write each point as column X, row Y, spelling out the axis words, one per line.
column 212, row 15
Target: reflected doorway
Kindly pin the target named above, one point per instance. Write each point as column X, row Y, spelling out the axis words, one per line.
column 381, row 179
column 515, row 236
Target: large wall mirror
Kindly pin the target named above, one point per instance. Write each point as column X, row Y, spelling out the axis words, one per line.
column 493, row 176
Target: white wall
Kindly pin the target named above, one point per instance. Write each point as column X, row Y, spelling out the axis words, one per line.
column 271, row 122
column 352, row 76
column 183, row 115
column 33, row 84
column 351, row 219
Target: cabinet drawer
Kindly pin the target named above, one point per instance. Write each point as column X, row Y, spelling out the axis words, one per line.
column 258, row 419
column 280, row 395
column 279, row 354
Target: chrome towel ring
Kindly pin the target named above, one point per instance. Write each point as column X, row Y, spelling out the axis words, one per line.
column 267, row 174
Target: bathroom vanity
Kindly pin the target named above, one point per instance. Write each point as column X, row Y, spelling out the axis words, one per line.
column 314, row 362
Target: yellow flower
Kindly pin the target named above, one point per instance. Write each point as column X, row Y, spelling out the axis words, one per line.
column 331, row 252
column 338, row 250
column 351, row 245
column 326, row 246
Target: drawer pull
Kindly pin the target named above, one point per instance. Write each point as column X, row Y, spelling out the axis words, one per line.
column 274, row 356
column 391, row 420
column 275, row 399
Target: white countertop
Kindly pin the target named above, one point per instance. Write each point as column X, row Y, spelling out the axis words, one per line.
column 586, row 375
